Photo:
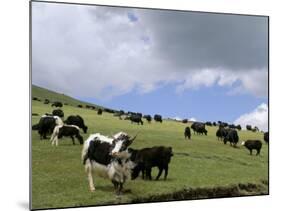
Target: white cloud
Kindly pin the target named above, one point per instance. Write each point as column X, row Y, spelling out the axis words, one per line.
column 192, row 119
column 100, row 52
column 258, row 117
column 250, row 82
column 177, row 118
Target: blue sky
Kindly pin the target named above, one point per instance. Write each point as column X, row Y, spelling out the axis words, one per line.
column 204, row 104
column 178, row 64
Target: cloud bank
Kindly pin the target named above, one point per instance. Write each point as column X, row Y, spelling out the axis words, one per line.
column 104, row 52
column 258, row 117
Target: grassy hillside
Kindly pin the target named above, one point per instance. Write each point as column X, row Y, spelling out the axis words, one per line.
column 43, row 94
column 200, row 165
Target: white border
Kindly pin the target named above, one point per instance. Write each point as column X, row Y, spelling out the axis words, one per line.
column 14, row 64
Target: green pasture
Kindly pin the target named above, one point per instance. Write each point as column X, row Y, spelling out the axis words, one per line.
column 59, row 179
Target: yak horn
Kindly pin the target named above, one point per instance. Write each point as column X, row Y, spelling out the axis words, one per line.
column 131, row 140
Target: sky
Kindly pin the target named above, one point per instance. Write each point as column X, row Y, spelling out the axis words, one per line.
column 200, row 66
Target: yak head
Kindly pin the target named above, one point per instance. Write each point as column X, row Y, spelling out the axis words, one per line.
column 120, row 144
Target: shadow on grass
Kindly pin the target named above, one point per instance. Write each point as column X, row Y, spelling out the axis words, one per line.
column 248, row 189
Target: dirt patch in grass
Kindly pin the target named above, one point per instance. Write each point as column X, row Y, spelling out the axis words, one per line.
column 209, row 192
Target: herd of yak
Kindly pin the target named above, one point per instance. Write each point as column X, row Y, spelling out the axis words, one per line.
column 111, row 157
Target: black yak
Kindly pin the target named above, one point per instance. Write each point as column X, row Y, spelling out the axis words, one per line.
column 78, row 121
column 136, row 118
column 252, row 144
column 57, row 104
column 146, row 158
column 232, row 137
column 58, row 112
column 187, row 133
column 158, row 118
column 148, row 118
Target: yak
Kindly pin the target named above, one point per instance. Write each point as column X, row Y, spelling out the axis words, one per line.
column 109, row 158
column 187, row 133
column 232, row 137
column 146, row 158
column 136, row 118
column 252, row 145
column 78, row 121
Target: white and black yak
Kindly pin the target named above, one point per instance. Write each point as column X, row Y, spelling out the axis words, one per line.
column 47, row 124
column 109, row 158
column 66, row 131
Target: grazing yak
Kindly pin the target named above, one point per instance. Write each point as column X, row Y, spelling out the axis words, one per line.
column 109, row 110
column 47, row 124
column 58, row 112
column 232, row 137
column 78, row 121
column 255, row 129
column 199, row 128
column 68, row 131
column 80, row 106
column 57, row 104
column 146, row 158
column 99, row 111
column 139, row 114
column 185, row 121
column 238, row 127
column 252, row 144
column 148, row 118
column 136, row 118
column 109, row 158
column 118, row 114
column 223, row 124
column 221, row 133
column 214, row 124
column 232, row 126
column 157, row 118
column 209, row 123
column 46, row 101
column 248, row 127
column 187, row 133
column 266, row 137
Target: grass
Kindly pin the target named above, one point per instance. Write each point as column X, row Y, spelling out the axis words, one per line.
column 59, row 180
column 43, row 94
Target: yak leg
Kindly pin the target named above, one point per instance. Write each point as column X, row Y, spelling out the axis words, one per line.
column 250, row 152
column 258, row 151
column 166, row 172
column 115, row 186
column 148, row 173
column 143, row 173
column 73, row 142
column 159, row 173
column 88, row 167
column 120, row 188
